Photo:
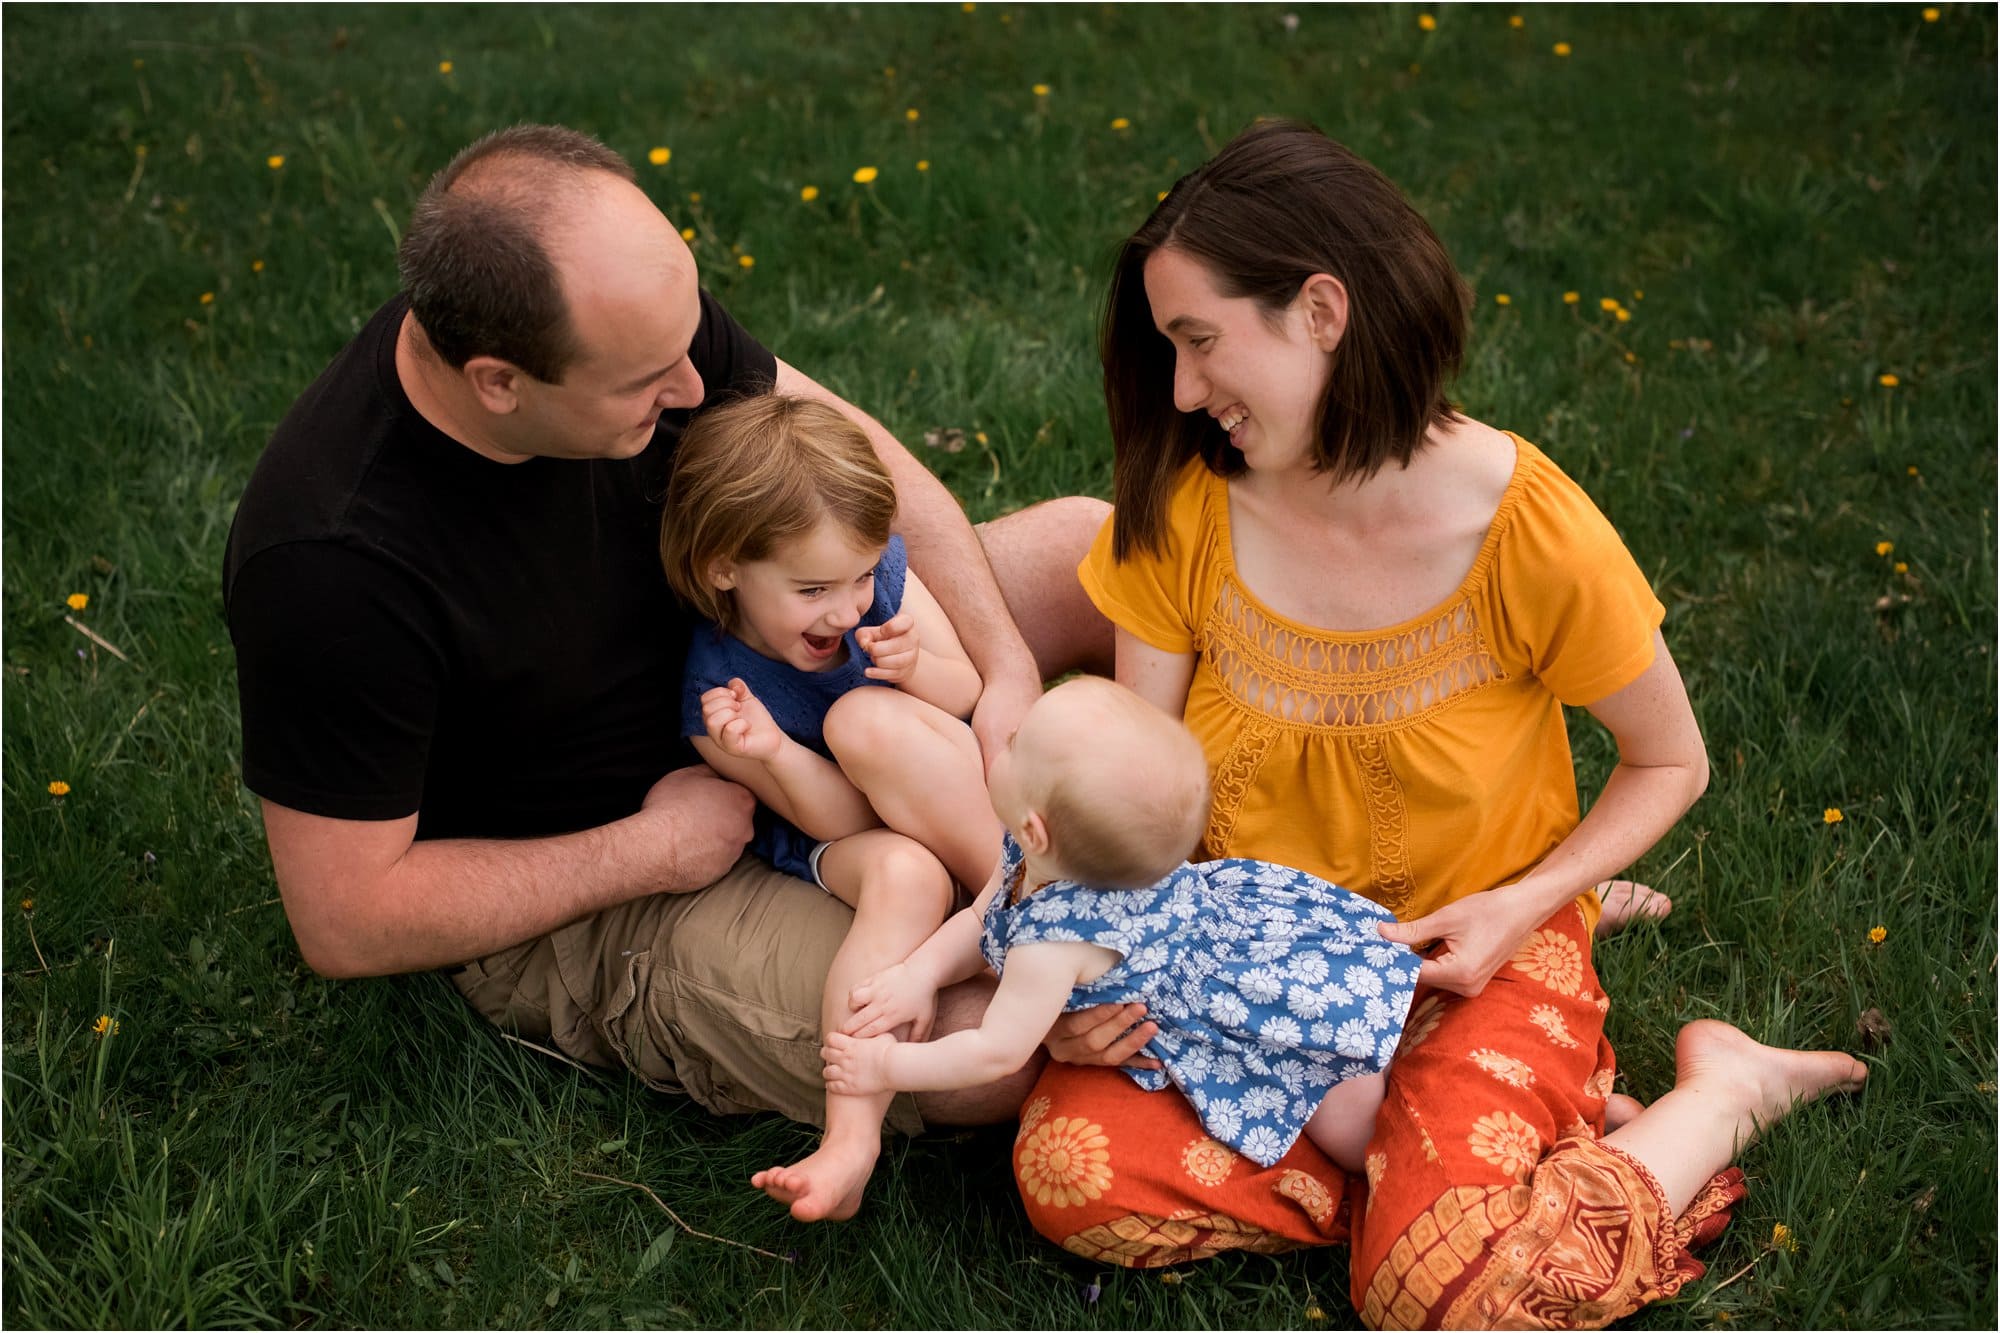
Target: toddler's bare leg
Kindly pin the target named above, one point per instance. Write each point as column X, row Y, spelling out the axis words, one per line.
column 920, row 768
column 1727, row 1088
column 1345, row 1120
column 900, row 894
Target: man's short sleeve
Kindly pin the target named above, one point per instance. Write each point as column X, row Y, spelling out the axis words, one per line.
column 731, row 362
column 337, row 679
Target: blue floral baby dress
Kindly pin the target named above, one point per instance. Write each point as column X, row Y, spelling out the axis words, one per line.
column 1269, row 985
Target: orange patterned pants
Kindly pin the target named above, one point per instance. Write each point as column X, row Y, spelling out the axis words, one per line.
column 1488, row 1200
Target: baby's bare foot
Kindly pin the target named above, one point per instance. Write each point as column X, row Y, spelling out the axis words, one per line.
column 1763, row 1083
column 824, row 1187
column 1626, row 902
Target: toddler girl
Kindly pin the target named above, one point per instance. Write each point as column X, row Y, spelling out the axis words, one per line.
column 831, row 684
column 1278, row 1003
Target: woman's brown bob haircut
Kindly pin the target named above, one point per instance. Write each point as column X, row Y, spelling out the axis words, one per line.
column 1278, row 204
column 754, row 474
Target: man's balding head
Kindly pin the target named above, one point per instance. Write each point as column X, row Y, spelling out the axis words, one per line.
column 478, row 260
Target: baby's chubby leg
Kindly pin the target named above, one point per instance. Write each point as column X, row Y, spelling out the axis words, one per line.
column 900, row 893
column 920, row 768
column 1345, row 1120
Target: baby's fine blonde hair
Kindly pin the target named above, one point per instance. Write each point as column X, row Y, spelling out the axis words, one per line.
column 756, row 473
column 1126, row 793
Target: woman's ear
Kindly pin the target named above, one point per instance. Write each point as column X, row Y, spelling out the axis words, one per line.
column 1323, row 299
column 722, row 575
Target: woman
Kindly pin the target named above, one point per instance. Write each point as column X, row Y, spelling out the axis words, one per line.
column 1371, row 609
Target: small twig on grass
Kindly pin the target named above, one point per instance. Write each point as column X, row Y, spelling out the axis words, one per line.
column 29, row 921
column 1733, row 1276
column 97, row 639
column 553, row 1055
column 253, row 906
column 724, row 1240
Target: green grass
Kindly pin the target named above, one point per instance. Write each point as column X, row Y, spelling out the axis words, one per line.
column 1805, row 195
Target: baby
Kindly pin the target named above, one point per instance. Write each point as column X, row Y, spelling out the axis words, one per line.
column 1279, row 1006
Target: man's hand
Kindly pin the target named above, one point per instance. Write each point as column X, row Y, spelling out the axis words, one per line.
column 1002, row 705
column 892, row 646
column 1099, row 1036
column 856, row 1066
column 739, row 724
column 889, row 999
column 708, row 823
column 1475, row 935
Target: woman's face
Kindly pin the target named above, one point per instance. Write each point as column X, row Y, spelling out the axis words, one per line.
column 1260, row 379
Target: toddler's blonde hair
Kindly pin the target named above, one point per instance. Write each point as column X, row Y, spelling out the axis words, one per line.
column 756, row 473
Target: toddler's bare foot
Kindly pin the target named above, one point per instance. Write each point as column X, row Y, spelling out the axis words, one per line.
column 1619, row 1110
column 1760, row 1083
column 825, row 1187
column 1626, row 902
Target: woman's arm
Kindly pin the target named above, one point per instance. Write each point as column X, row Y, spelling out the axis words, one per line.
column 918, row 652
column 1159, row 677
column 1662, row 770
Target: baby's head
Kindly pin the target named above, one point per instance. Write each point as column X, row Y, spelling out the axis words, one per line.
column 1105, row 785
column 774, row 478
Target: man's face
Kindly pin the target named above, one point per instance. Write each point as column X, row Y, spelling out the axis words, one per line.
column 633, row 299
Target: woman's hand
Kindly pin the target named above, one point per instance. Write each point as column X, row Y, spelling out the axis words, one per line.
column 892, row 647
column 1475, row 936
column 739, row 724
column 889, row 999
column 1099, row 1036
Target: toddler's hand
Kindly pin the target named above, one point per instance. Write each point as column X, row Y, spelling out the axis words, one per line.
column 739, row 724
column 892, row 647
column 889, row 999
column 855, row 1066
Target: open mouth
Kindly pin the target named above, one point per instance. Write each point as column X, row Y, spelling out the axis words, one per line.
column 1231, row 420
column 821, row 645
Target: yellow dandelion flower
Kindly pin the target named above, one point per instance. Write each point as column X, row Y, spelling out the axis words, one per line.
column 888, row 71
column 1622, row 315
column 1887, row 381
column 1158, row 197
column 912, row 114
column 1561, row 48
column 1120, row 123
column 208, row 298
column 1638, row 295
column 660, row 156
column 809, row 193
column 1930, row 14
column 140, row 151
column 1883, row 548
column 58, row 788
column 1878, row 934
column 1571, row 298
column 1041, row 90
column 1782, row 1239
column 746, row 261
column 444, row 67
column 138, row 64
column 694, row 196
column 980, row 436
column 274, row 161
column 77, row 600
column 687, row 233
column 1006, row 18
column 105, row 1026
column 865, row 175
column 923, row 164
column 968, row 7
column 1912, row 470
column 1631, row 358
column 1832, row 815
column 1607, row 303
column 1171, row 1278
column 1427, row 23
column 1314, row 1313
column 256, row 266
column 1902, row 566
column 1501, row 298
column 1516, row 21
column 27, row 904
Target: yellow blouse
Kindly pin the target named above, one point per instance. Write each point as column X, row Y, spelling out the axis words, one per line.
column 1413, row 764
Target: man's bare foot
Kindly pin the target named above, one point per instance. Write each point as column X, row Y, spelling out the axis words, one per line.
column 825, row 1187
column 1760, row 1084
column 1626, row 902
column 1619, row 1111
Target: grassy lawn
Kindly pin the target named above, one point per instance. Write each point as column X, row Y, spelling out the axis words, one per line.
column 1793, row 427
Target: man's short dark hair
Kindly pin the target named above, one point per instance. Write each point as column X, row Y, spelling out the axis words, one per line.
column 474, row 261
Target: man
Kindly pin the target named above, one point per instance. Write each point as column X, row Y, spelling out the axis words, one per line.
column 459, row 661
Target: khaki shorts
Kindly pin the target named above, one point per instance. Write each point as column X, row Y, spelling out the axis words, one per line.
column 714, row 994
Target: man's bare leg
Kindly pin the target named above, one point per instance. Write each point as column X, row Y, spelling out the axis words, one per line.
column 1034, row 553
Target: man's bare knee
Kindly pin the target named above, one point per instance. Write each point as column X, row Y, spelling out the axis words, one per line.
column 960, row 1007
column 1034, row 553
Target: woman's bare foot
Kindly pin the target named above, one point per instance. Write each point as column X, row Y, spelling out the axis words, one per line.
column 1760, row 1084
column 1626, row 902
column 1619, row 1111
column 827, row 1186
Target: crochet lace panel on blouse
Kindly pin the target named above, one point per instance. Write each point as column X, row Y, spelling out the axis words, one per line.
column 1289, row 679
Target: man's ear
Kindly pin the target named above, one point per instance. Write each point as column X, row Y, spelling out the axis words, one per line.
column 495, row 383
column 1323, row 298
column 722, row 575
column 1034, row 833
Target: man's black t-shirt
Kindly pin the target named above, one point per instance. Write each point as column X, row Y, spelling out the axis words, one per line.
column 419, row 628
